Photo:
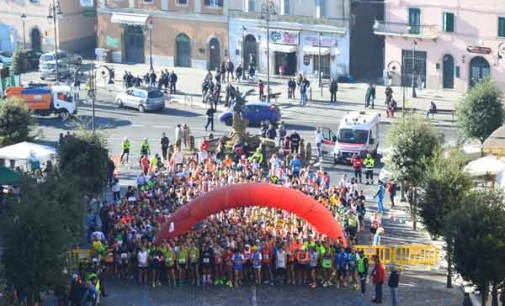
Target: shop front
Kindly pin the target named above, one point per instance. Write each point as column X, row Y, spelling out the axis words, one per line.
column 283, row 50
column 319, row 51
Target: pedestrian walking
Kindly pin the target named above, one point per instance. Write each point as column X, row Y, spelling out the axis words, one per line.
column 186, row 133
column 378, row 278
column 165, row 143
column 380, row 197
column 261, row 90
column 318, row 139
column 291, row 88
column 178, row 137
column 229, row 69
column 125, row 145
column 393, row 282
column 145, row 148
column 333, row 90
column 210, row 118
column 391, row 189
column 370, row 96
column 369, row 163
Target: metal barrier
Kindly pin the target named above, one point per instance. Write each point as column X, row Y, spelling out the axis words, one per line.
column 384, row 252
column 411, row 254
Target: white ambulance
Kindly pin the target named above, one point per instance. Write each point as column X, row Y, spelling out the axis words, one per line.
column 358, row 133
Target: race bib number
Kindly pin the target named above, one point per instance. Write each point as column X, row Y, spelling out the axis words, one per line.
column 206, row 260
column 182, row 260
column 266, row 256
column 124, row 255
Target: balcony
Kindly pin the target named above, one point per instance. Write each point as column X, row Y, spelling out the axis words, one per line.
column 385, row 28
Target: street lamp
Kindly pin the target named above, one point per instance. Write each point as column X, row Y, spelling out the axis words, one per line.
column 267, row 10
column 244, row 29
column 320, row 74
column 150, row 26
column 414, row 95
column 23, row 18
column 54, row 11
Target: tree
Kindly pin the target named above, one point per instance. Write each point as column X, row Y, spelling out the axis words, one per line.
column 481, row 111
column 413, row 144
column 86, row 157
column 445, row 185
column 38, row 231
column 16, row 122
column 479, row 239
column 19, row 62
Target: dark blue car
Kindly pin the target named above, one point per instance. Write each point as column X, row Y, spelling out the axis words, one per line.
column 256, row 113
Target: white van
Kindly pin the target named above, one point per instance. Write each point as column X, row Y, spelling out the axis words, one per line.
column 358, row 133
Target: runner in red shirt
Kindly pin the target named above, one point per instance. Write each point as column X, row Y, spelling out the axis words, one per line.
column 357, row 164
column 266, row 254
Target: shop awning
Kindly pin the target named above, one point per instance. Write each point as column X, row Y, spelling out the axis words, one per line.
column 129, row 19
column 495, row 143
column 315, row 50
column 282, row 48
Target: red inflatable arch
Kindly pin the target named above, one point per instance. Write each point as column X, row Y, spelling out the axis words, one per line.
column 252, row 194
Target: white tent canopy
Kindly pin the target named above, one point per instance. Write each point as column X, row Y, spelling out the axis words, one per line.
column 27, row 151
column 488, row 165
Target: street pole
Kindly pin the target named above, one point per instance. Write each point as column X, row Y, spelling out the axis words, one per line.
column 151, row 45
column 320, row 74
column 23, row 17
column 93, row 98
column 403, row 94
column 243, row 52
column 414, row 95
column 268, row 9
column 54, row 9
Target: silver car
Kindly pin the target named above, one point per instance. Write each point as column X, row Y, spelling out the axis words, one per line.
column 142, row 98
column 64, row 57
column 47, row 71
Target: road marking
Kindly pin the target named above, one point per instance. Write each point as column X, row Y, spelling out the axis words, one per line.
column 254, row 297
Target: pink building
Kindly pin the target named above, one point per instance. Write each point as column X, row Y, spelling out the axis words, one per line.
column 451, row 44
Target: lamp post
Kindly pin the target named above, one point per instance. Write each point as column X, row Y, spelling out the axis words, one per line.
column 150, row 26
column 414, row 95
column 244, row 29
column 267, row 11
column 54, row 11
column 23, row 18
column 320, row 73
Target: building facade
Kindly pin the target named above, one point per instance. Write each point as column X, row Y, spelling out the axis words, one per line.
column 303, row 33
column 75, row 26
column 183, row 33
column 449, row 45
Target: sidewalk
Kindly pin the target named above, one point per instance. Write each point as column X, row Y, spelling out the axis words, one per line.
column 351, row 94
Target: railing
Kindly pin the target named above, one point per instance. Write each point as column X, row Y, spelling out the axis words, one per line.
column 405, row 29
column 336, row 22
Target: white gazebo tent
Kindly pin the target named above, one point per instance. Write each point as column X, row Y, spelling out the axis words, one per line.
column 27, row 151
column 487, row 168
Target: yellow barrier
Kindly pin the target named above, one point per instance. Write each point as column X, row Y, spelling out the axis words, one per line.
column 385, row 253
column 418, row 254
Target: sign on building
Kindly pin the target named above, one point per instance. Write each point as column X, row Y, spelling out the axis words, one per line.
column 87, row 3
column 326, row 41
column 284, row 37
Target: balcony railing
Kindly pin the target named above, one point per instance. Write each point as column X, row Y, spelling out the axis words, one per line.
column 336, row 22
column 404, row 29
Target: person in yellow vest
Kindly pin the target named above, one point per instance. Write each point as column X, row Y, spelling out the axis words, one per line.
column 125, row 145
column 369, row 163
column 257, row 155
column 145, row 149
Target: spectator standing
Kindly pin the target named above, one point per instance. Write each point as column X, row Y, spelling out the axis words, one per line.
column 295, row 141
column 229, row 69
column 261, row 90
column 370, row 96
column 362, row 270
column 381, row 191
column 186, row 133
column 178, row 137
column 173, row 82
column 391, row 189
column 357, row 165
column 304, row 86
column 239, row 72
column 378, row 277
column 210, row 118
column 291, row 88
column 333, row 90
column 164, row 142
column 393, row 282
column 318, row 139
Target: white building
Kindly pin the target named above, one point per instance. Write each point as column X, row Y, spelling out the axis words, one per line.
column 300, row 32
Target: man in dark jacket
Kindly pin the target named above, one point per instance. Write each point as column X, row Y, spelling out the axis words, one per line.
column 333, row 90
column 173, row 82
column 393, row 281
column 210, row 118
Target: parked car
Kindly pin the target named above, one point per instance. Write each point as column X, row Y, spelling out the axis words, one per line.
column 5, row 59
column 255, row 112
column 64, row 57
column 32, row 58
column 47, row 71
column 142, row 98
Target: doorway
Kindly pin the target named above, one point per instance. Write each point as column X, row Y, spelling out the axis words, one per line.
column 214, row 54
column 448, row 72
column 325, row 65
column 134, row 44
column 183, row 51
column 287, row 61
column 479, row 70
column 35, row 39
column 250, row 51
